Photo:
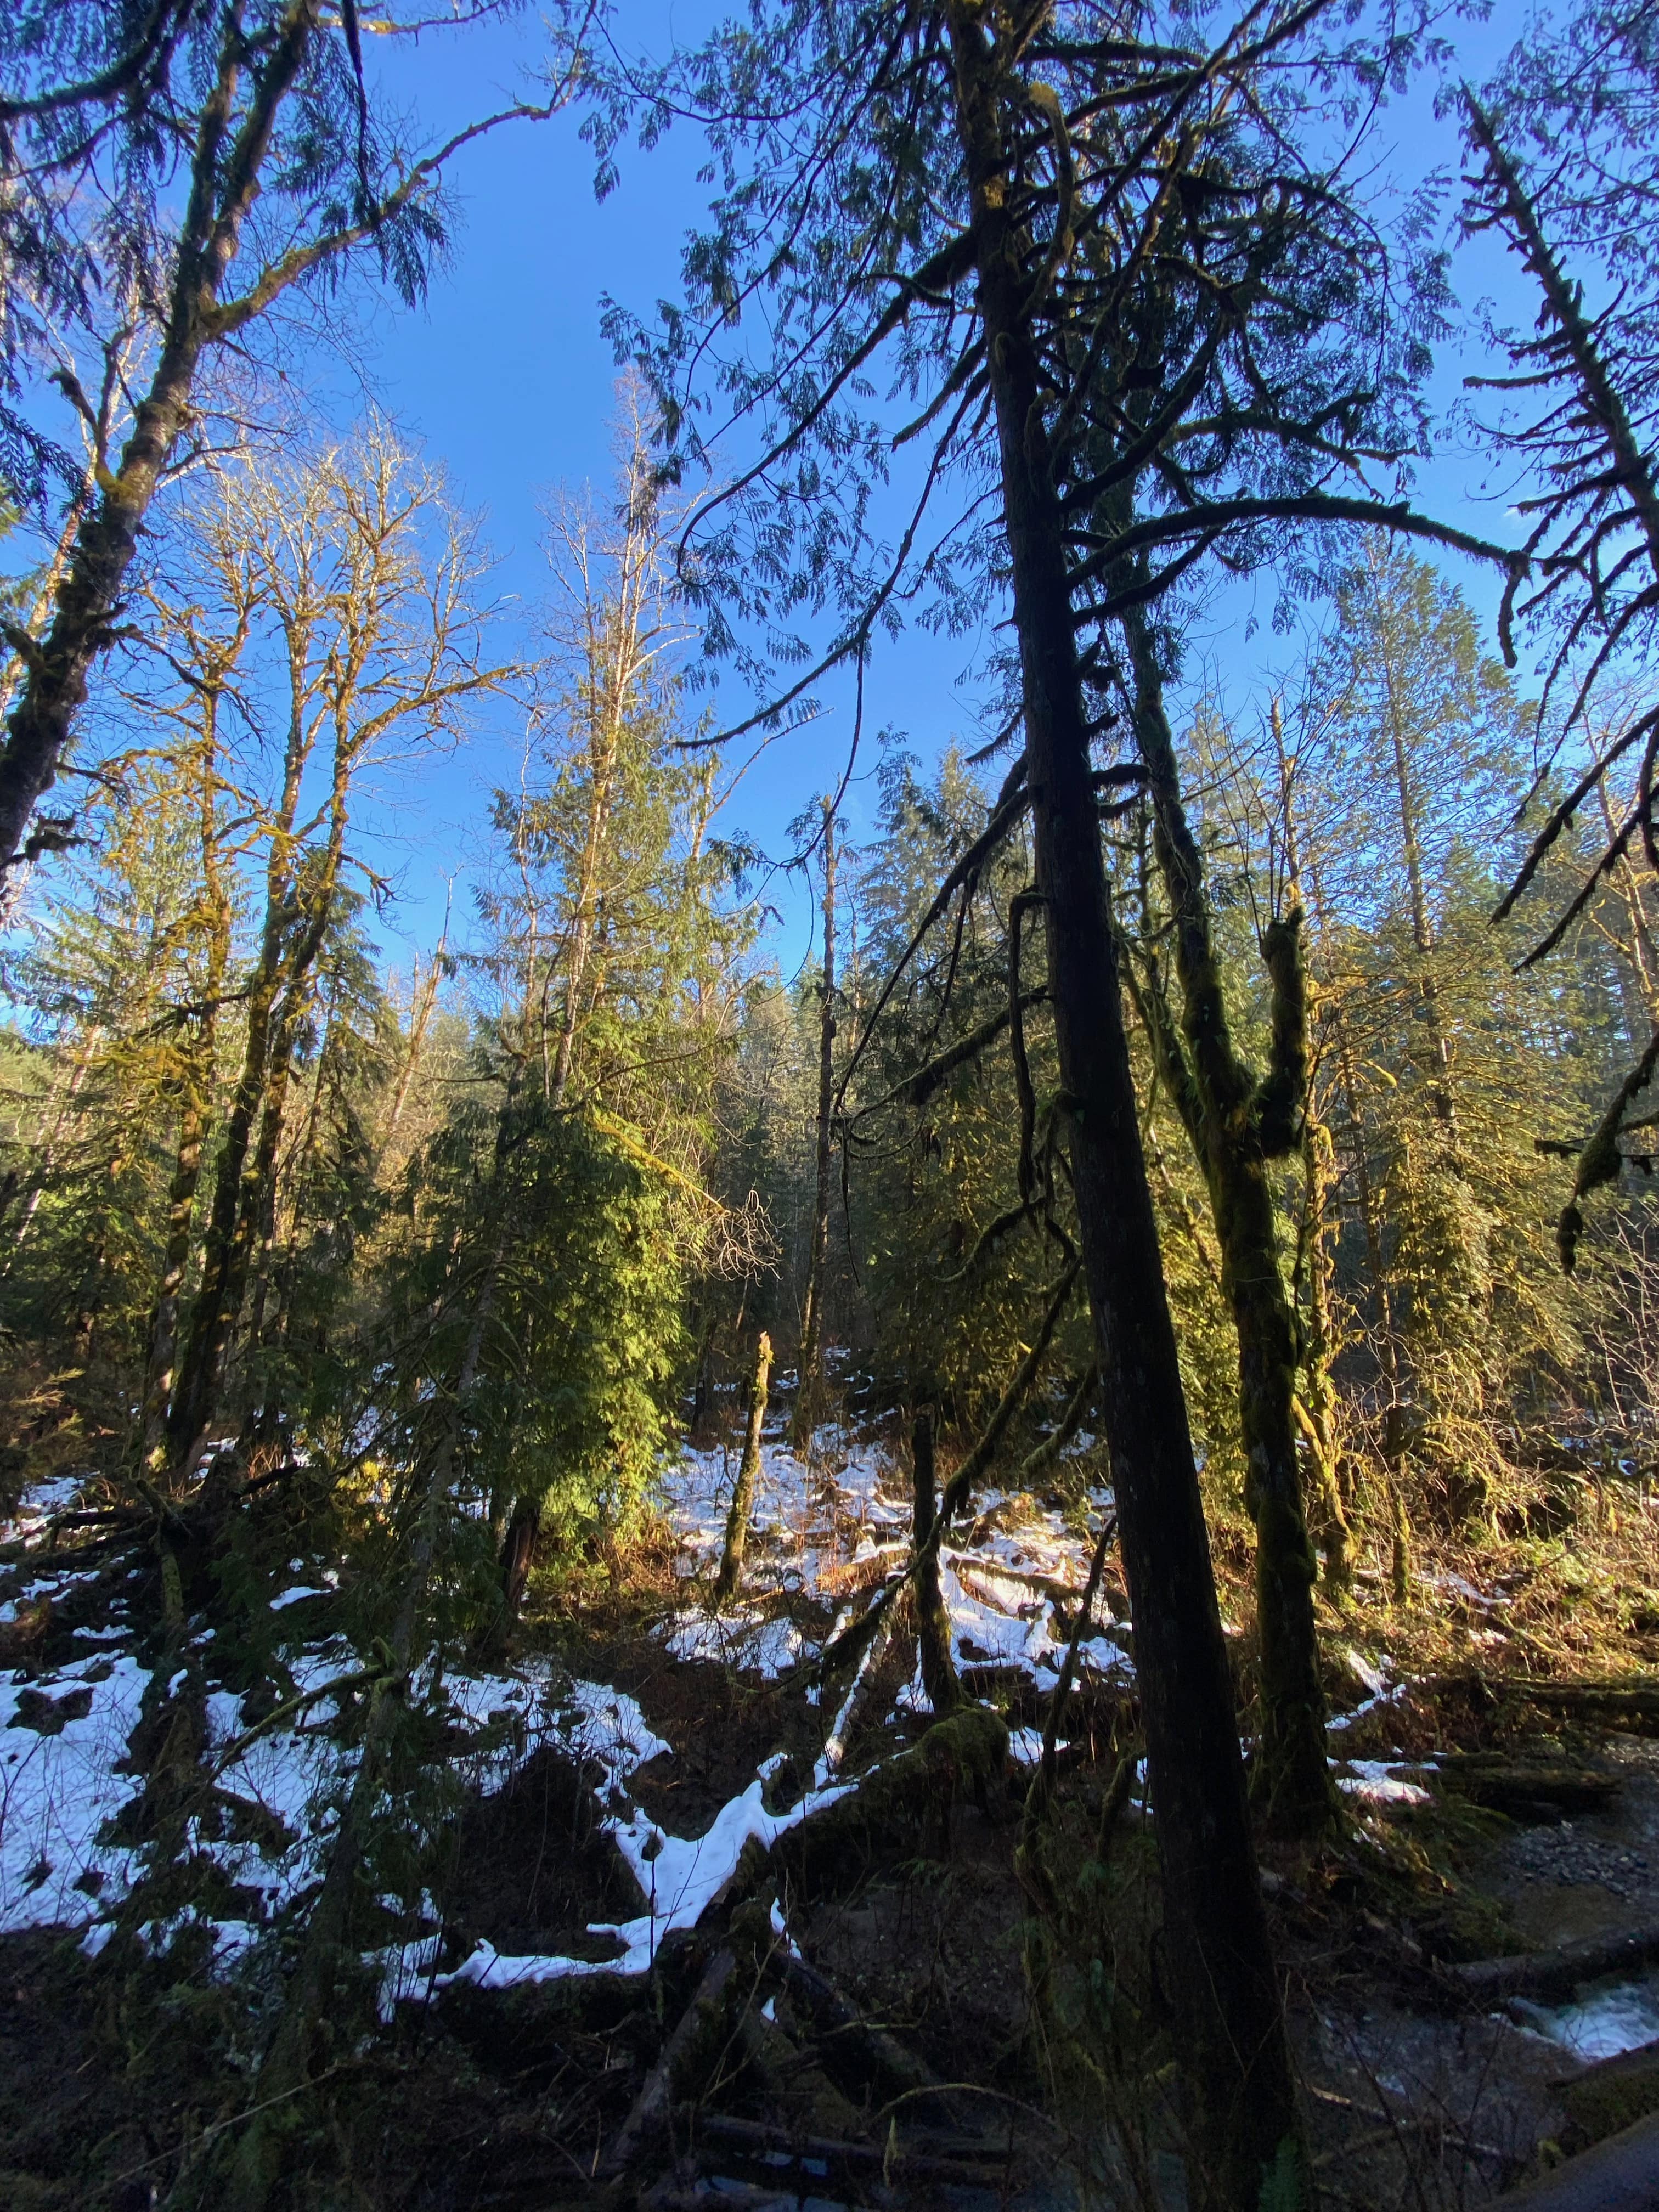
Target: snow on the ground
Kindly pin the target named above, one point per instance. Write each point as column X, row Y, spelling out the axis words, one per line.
column 837, row 1520
column 59, row 1494
column 59, row 1789
column 766, row 1648
column 823, row 1526
column 1378, row 1782
column 680, row 1876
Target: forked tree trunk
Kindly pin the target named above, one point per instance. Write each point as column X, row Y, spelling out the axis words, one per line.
column 727, row 1581
column 809, row 1397
column 1219, row 1965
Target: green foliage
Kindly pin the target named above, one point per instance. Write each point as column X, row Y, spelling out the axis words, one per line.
column 572, row 1404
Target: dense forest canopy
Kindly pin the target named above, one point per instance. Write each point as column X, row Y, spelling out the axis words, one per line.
column 961, row 1104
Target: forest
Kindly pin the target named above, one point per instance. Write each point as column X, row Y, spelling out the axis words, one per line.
column 829, row 1327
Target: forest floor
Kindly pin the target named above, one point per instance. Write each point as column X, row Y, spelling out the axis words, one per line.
column 664, row 1922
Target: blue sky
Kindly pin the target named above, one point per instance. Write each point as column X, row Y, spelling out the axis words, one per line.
column 505, row 378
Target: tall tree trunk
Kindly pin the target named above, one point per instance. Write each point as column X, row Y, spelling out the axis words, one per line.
column 1318, row 1408
column 727, row 1583
column 1221, row 1976
column 195, row 1118
column 1411, row 845
column 1238, row 1123
column 246, row 1178
column 423, row 1001
column 1389, row 1357
column 939, row 1671
column 810, row 1395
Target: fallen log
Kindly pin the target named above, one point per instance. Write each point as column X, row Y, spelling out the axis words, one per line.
column 879, row 2061
column 905, row 1803
column 1527, row 1788
column 1630, row 1703
column 650, row 2111
column 1610, row 2096
column 1556, row 1974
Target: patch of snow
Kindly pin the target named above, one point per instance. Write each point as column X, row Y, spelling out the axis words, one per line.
column 293, row 1596
column 40, row 1502
column 1375, row 1782
column 58, row 1791
column 982, row 1635
column 679, row 1874
column 766, row 1648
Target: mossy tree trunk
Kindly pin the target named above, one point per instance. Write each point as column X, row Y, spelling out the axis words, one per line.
column 727, row 1583
column 1238, row 1122
column 1317, row 1407
column 195, row 1085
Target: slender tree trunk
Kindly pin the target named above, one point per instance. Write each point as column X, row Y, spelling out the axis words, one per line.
column 518, row 1553
column 729, row 1579
column 1220, row 1968
column 295, row 924
column 257, row 1222
column 810, row 1395
column 422, row 1004
column 195, row 1119
column 1318, row 1408
column 939, row 1670
column 1370, row 1220
column 1319, row 1404
column 702, row 1390
column 1236, row 1123
column 1411, row 842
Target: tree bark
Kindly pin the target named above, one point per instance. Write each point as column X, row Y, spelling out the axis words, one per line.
column 1236, row 1123
column 727, row 1581
column 810, row 1394
column 1318, row 1408
column 939, row 1670
column 1220, row 1968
